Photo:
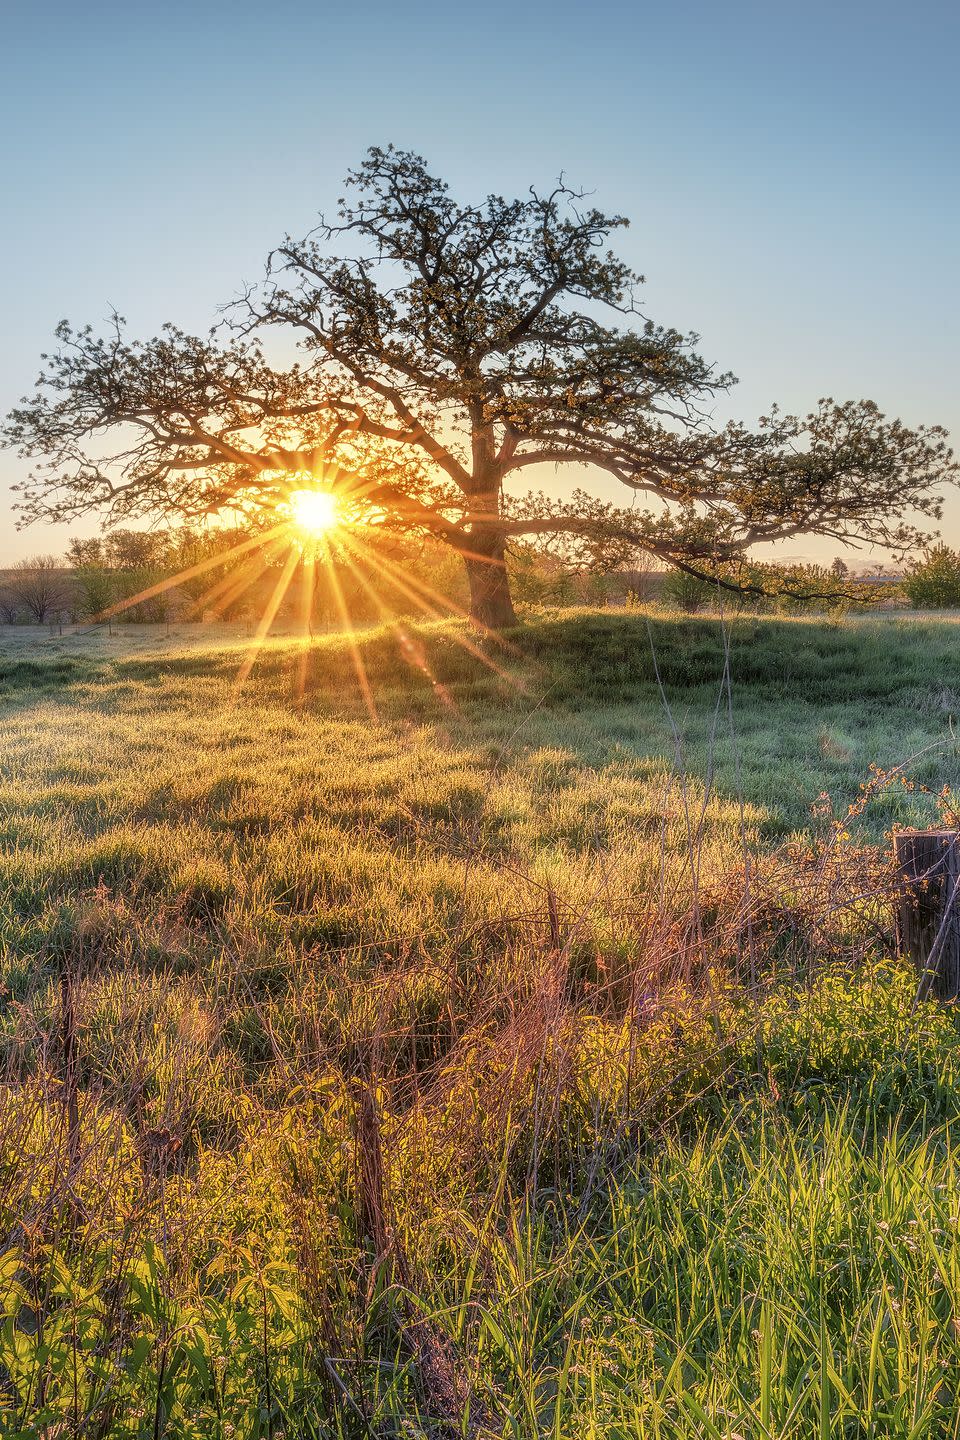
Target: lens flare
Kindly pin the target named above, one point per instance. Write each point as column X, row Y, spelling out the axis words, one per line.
column 313, row 511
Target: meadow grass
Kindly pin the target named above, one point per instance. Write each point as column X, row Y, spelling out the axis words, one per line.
column 527, row 1059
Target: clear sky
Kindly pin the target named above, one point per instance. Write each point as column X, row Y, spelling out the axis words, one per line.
column 791, row 170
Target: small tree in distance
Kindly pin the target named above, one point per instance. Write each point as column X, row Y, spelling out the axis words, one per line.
column 448, row 348
column 95, row 590
column 933, row 582
column 39, row 587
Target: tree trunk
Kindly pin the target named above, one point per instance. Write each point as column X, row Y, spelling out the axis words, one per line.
column 491, row 604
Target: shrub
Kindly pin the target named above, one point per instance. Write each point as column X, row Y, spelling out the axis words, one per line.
column 933, row 583
column 689, row 593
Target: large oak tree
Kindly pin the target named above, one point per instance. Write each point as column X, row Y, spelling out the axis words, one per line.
column 444, row 349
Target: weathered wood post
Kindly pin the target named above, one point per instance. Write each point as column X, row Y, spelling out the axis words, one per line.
column 928, row 916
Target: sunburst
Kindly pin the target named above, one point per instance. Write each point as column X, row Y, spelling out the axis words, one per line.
column 320, row 530
column 314, row 512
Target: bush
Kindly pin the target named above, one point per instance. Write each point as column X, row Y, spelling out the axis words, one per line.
column 689, row 593
column 538, row 578
column 933, row 583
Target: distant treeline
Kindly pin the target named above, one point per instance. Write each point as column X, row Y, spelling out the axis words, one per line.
column 146, row 577
column 194, row 573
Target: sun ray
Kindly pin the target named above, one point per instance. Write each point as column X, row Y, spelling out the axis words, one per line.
column 400, row 580
column 411, row 649
column 451, row 605
column 266, row 620
column 397, row 577
column 341, row 605
column 218, row 597
column 223, row 593
column 315, row 515
column 308, row 588
column 171, row 580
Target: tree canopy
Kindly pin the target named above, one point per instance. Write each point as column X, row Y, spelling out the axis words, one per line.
column 444, row 348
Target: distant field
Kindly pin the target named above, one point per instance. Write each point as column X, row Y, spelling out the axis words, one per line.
column 444, row 1066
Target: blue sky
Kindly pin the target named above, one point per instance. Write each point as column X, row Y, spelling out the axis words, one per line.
column 791, row 171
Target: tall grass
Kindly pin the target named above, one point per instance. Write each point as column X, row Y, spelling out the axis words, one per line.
column 505, row 1066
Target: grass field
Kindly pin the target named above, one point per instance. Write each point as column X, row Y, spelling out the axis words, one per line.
column 526, row 1058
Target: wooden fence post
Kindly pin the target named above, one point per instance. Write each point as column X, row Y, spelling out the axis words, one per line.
column 928, row 915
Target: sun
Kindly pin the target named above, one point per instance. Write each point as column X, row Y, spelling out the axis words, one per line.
column 313, row 511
